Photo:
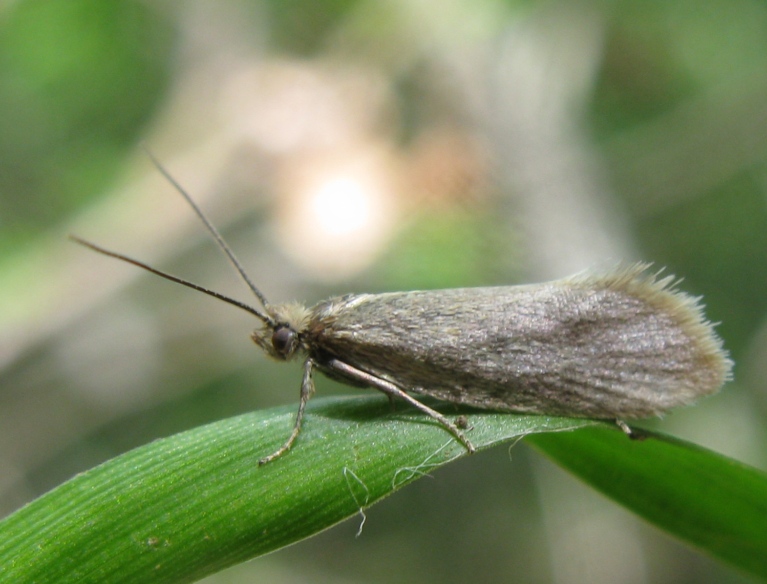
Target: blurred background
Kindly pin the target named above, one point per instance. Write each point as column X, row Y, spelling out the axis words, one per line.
column 360, row 145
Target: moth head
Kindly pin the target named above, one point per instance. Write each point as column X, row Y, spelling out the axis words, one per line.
column 280, row 342
column 281, row 338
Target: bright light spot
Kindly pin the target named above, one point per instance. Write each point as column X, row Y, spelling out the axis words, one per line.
column 341, row 207
column 337, row 212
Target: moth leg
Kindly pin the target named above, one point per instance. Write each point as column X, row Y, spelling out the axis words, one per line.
column 307, row 390
column 623, row 426
column 393, row 391
column 628, row 431
column 462, row 422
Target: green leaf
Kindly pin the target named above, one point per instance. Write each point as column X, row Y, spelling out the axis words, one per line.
column 192, row 504
column 715, row 503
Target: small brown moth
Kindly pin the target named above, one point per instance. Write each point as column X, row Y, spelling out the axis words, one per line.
column 620, row 345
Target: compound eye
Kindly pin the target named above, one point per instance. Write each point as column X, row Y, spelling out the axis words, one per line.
column 284, row 341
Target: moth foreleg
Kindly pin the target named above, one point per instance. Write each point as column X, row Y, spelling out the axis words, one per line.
column 307, row 390
column 392, row 391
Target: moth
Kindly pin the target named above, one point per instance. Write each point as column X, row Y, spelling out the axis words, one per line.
column 623, row 344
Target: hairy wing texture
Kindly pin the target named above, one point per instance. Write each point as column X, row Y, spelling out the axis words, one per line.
column 622, row 344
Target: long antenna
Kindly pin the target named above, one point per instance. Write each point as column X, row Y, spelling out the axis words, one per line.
column 212, row 230
column 264, row 318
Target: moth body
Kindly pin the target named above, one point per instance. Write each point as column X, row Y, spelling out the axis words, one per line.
column 620, row 345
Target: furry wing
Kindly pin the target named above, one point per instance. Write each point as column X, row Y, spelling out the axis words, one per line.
column 620, row 345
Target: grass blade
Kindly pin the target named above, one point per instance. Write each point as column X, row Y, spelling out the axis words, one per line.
column 189, row 505
column 708, row 500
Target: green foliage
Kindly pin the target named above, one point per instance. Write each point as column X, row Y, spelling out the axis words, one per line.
column 78, row 80
column 189, row 505
column 708, row 500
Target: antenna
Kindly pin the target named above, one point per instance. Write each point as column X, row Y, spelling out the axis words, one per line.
column 264, row 318
column 212, row 230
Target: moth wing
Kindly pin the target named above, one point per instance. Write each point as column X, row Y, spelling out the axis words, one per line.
column 619, row 345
